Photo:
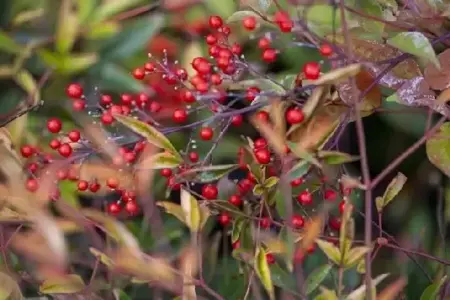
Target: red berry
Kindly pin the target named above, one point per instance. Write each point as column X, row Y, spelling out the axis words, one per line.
column 260, row 143
column 94, row 187
column 126, row 99
column 54, row 125
column 62, row 174
column 105, row 100
column 225, row 53
column 263, row 115
column 206, row 133
column 181, row 74
column 55, row 144
column 210, row 191
column 173, row 184
column 294, row 116
column 249, row 23
column 264, row 43
column 203, row 67
column 251, row 93
column 265, row 222
column 342, row 206
column 286, row 26
column 330, row 195
column 32, row 185
column 74, row 135
column 326, row 50
column 216, row 79
column 193, row 156
column 297, row 182
column 214, row 51
column 78, row 105
column 166, row 172
column 236, row 244
column 27, row 151
column 311, row 249
column 211, row 39
column 224, row 219
column 82, row 185
column 149, row 67
column 262, row 156
column 235, row 200
column 237, row 120
column 226, row 30
column 114, row 208
column 311, row 70
column 281, row 16
column 244, row 186
column 65, row 150
column 131, row 207
column 215, row 22
column 107, row 118
column 269, row 55
column 112, row 183
column 139, row 73
column 335, row 223
column 236, row 49
column 298, row 221
column 33, row 167
column 155, row 107
column 179, row 116
column 130, row 157
column 74, row 90
column 270, row 258
column 305, row 198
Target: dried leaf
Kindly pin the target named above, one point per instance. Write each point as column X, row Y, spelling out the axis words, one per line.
column 106, row 260
column 312, row 230
column 347, row 230
column 68, row 284
column 275, row 140
column 439, row 79
column 443, row 97
column 330, row 250
column 338, row 75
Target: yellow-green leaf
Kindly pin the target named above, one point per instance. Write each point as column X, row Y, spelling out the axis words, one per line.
column 353, row 257
column 173, row 209
column 28, row 15
column 67, row 27
column 68, row 284
column 113, row 7
column 438, row 148
column 152, row 135
column 270, row 182
column 27, row 82
column 162, row 160
column 335, row 157
column 326, row 294
column 191, row 210
column 102, row 30
column 263, row 271
column 330, row 250
column 258, row 190
column 105, row 259
column 394, row 187
column 7, row 44
column 238, row 224
column 347, row 230
column 68, row 64
column 361, row 266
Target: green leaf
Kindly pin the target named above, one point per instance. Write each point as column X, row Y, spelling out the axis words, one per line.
column 28, row 16
column 105, row 259
column 68, row 191
column 326, row 294
column 299, row 170
column 258, row 190
column 152, row 135
column 346, row 232
column 237, row 228
column 316, row 277
column 8, row 45
column 438, row 148
column 173, row 209
column 132, row 39
column 359, row 293
column 68, row 64
column 222, row 8
column 361, row 266
column 238, row 16
column 335, row 157
column 282, row 279
column 209, row 173
column 113, row 7
column 392, row 190
column 280, row 204
column 121, row 295
column 116, row 79
column 223, row 205
column 102, row 30
column 85, row 10
column 263, row 271
column 393, row 98
column 69, row 284
column 27, row 82
column 372, row 8
column 431, row 292
column 9, row 289
column 415, row 43
column 67, row 27
column 162, row 160
column 322, row 18
column 270, row 182
column 191, row 210
column 353, row 257
column 331, row 251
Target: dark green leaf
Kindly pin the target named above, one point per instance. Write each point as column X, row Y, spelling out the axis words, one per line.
column 280, row 203
column 431, row 292
column 117, row 79
column 283, row 279
column 316, row 277
column 335, row 157
column 121, row 295
column 238, row 224
column 299, row 170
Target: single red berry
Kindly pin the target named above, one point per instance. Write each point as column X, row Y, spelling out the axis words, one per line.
column 82, row 185
column 94, row 187
column 249, row 23
column 55, row 144
column 297, row 182
column 263, row 115
column 225, row 53
column 62, row 174
column 311, row 70
column 298, row 221
column 130, row 157
column 126, row 99
column 236, row 49
column 112, row 182
column 286, row 26
column 150, row 67
column 270, row 258
column 32, row 185
column 107, row 118
column 74, row 135
column 262, row 156
column 54, row 125
column 216, row 79
column 264, row 43
column 203, row 67
column 78, row 105
column 244, row 186
column 65, row 150
column 115, row 110
column 335, row 223
column 129, row 196
column 264, row 222
column 33, row 167
column 193, row 156
column 311, row 249
column 223, row 62
column 74, row 90
column 155, row 107
column 211, row 39
column 214, row 50
column 27, row 151
column 326, row 50
column 226, row 30
column 236, row 244
column 131, row 207
column 139, row 73
column 342, row 206
column 114, row 208
column 179, row 116
column 330, row 195
column 105, row 100
column 215, row 22
column 181, row 74
column 294, row 116
column 269, row 55
column 260, row 143
column 206, row 133
column 210, row 191
column 224, row 219
column 251, row 93
column 281, row 16
column 235, row 200
column 173, row 184
column 237, row 120
column 166, row 172
column 73, row 174
column 305, row 198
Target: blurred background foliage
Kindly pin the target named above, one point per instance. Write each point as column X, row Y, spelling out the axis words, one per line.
column 46, row 44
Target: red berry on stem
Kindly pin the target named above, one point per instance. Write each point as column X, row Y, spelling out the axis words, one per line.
column 166, row 172
column 286, row 26
column 126, row 99
column 105, row 100
column 342, row 206
column 251, row 93
column 114, row 208
column 79, row 105
column 335, row 223
column 193, row 157
column 270, row 258
column 305, row 198
column 32, row 185
column 297, row 182
column 27, row 151
column 181, row 74
column 249, row 23
column 210, row 191
column 211, row 39
column 236, row 49
column 107, row 118
column 298, row 221
column 262, row 156
column 112, row 183
column 216, row 79
column 264, row 43
column 33, row 167
column 263, row 115
column 131, row 207
column 139, row 73
column 215, row 22
column 235, row 200
column 224, row 219
column 294, row 116
column 74, row 135
column 54, row 125
column 94, row 187
column 82, row 185
column 260, row 143
column 326, row 50
column 269, row 55
column 236, row 244
column 311, row 70
column 150, row 67
column 74, row 90
column 237, row 120
column 330, row 195
column 65, row 150
column 206, row 133
column 226, row 30
column 55, row 144
column 265, row 222
column 179, row 116
column 244, row 186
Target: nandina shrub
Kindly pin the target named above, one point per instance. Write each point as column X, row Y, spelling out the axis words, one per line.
column 284, row 201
